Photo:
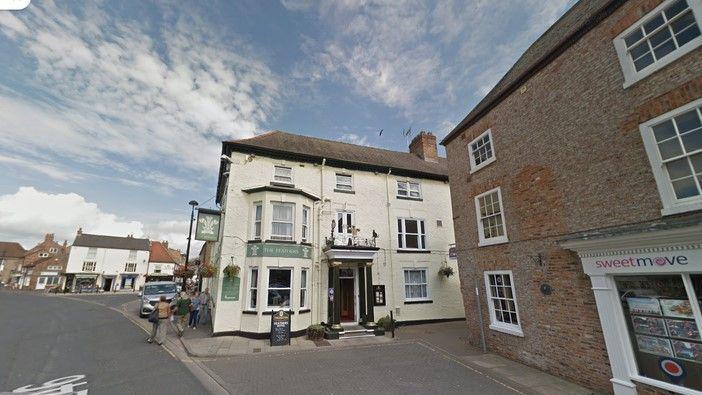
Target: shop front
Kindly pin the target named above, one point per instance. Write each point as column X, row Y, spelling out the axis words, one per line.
column 84, row 283
column 648, row 290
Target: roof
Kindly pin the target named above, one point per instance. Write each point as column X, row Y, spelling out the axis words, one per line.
column 279, row 144
column 160, row 253
column 58, row 259
column 11, row 249
column 120, row 243
column 582, row 17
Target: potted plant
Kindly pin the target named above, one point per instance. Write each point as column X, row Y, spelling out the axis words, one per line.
column 231, row 271
column 207, row 270
column 446, row 271
column 315, row 331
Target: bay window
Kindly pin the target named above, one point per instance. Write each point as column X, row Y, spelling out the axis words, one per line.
column 303, row 289
column 282, row 222
column 257, row 215
column 253, row 288
column 305, row 223
column 279, row 288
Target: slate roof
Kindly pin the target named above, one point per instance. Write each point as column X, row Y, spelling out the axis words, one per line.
column 11, row 249
column 120, row 243
column 582, row 17
column 160, row 253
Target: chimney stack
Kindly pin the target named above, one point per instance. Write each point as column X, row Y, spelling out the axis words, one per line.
column 49, row 237
column 80, row 231
column 424, row 146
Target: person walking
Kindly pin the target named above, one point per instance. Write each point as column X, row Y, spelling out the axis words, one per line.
column 158, row 331
column 182, row 309
column 194, row 310
column 205, row 301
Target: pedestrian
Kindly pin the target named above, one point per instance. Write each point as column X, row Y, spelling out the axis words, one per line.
column 194, row 310
column 182, row 309
column 205, row 301
column 158, row 331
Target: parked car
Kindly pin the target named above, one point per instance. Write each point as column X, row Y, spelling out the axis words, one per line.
column 152, row 294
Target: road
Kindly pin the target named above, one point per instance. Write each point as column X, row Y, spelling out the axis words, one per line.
column 43, row 338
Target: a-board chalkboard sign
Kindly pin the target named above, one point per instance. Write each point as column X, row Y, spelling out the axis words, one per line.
column 280, row 328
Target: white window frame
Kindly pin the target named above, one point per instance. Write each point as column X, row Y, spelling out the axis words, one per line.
column 276, row 175
column 671, row 204
column 132, row 256
column 631, row 76
column 496, row 325
column 91, row 254
column 43, row 254
column 345, row 232
column 55, row 267
column 89, row 266
column 256, row 207
column 471, row 154
column 402, row 234
column 482, row 241
column 253, row 289
column 291, row 288
column 406, row 192
column 306, row 212
column 426, row 283
column 292, row 222
column 53, row 250
column 130, row 265
column 304, row 294
column 344, row 186
column 157, row 268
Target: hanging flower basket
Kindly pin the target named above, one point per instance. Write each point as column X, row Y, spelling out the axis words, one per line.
column 231, row 271
column 446, row 271
column 207, row 270
column 183, row 272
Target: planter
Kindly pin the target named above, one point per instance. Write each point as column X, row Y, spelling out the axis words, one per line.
column 231, row 271
column 207, row 270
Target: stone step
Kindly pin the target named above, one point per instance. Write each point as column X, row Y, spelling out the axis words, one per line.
column 350, row 331
column 355, row 335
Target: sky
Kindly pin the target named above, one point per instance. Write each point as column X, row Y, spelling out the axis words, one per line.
column 112, row 113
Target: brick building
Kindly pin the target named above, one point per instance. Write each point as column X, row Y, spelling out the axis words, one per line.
column 44, row 249
column 576, row 186
column 11, row 258
column 49, row 272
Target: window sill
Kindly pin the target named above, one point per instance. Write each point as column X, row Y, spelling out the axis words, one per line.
column 493, row 241
column 509, row 331
column 351, row 192
column 281, row 241
column 418, row 301
column 677, row 208
column 282, row 184
column 663, row 385
column 304, row 243
column 271, row 312
column 405, row 251
column 484, row 164
column 410, row 198
column 303, row 311
column 250, row 312
column 255, row 241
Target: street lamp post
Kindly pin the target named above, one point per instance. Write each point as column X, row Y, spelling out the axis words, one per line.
column 193, row 203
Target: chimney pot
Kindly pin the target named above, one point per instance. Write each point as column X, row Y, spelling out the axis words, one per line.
column 424, row 146
column 80, row 231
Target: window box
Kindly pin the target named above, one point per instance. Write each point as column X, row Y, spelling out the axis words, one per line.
column 481, row 151
column 665, row 34
column 673, row 142
column 490, row 217
column 502, row 302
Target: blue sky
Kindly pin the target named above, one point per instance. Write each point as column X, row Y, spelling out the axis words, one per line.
column 112, row 113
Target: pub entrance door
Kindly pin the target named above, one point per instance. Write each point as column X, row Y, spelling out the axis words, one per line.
column 347, row 294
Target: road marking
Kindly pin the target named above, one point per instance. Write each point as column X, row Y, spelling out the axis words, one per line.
column 61, row 386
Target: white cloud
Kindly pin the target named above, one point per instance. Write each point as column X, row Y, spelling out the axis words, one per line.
column 110, row 91
column 354, row 138
column 38, row 165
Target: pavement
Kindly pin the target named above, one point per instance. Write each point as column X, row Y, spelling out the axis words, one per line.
column 44, row 338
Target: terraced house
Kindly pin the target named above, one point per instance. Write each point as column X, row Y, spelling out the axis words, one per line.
column 577, row 190
column 334, row 233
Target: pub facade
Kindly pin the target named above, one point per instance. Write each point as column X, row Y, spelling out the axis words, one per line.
column 332, row 233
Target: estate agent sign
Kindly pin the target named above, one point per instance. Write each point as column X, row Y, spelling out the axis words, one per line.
column 208, row 222
column 230, row 289
column 280, row 329
column 279, row 250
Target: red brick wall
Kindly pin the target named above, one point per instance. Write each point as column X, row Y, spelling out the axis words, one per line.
column 569, row 158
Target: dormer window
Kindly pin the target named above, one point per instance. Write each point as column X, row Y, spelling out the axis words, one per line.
column 283, row 174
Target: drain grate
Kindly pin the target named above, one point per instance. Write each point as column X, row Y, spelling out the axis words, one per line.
column 257, row 349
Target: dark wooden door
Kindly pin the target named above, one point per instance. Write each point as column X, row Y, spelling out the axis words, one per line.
column 346, row 298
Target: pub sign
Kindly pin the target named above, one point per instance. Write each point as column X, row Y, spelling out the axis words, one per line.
column 208, row 222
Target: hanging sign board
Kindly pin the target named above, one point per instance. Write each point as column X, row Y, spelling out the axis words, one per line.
column 208, row 221
column 453, row 252
column 230, row 289
column 280, row 329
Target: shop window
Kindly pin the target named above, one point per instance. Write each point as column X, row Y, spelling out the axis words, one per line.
column 88, row 266
column 409, row 189
column 52, row 280
column 663, row 322
column 491, row 225
column 665, row 34
column 303, row 289
column 283, row 174
column 42, row 280
column 481, row 151
column 305, row 223
column 411, row 234
column 130, row 267
column 253, row 288
column 502, row 302
column 674, row 146
column 279, row 287
column 344, row 182
column 416, row 284
column 282, row 224
column 258, row 214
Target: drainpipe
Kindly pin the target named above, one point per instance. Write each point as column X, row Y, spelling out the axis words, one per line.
column 389, row 250
column 318, row 249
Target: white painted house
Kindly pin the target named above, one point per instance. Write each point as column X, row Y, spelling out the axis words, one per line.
column 336, row 233
column 108, row 263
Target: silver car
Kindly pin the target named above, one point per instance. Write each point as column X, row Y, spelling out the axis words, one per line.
column 152, row 294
